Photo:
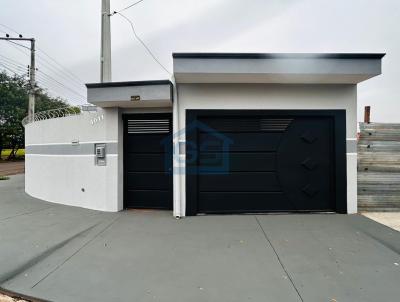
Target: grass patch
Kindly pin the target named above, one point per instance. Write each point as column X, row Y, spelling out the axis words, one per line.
column 4, row 177
column 6, row 152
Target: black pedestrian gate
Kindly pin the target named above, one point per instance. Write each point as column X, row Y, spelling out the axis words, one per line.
column 148, row 161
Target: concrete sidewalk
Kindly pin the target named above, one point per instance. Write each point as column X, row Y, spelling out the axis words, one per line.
column 62, row 253
column 390, row 219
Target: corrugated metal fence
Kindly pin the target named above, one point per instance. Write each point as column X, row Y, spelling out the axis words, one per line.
column 379, row 167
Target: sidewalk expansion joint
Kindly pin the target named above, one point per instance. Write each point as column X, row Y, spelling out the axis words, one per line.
column 77, row 251
column 279, row 259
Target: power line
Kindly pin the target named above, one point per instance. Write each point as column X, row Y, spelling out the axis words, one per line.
column 19, row 49
column 144, row 45
column 125, row 8
column 50, row 66
column 137, row 36
column 9, row 28
column 11, row 60
column 7, row 68
column 72, row 75
column 31, row 86
column 7, row 64
column 47, row 86
column 58, row 89
column 80, row 81
column 13, row 71
column 66, row 87
column 16, row 43
column 11, row 65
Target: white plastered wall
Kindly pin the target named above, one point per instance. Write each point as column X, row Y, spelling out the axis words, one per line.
column 271, row 96
column 74, row 179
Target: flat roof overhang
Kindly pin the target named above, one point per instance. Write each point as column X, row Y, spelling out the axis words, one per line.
column 139, row 94
column 285, row 68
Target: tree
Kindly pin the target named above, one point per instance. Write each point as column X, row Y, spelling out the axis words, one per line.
column 14, row 92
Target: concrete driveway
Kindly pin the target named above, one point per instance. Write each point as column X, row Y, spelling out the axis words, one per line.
column 62, row 253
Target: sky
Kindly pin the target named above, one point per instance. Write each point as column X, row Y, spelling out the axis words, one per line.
column 68, row 38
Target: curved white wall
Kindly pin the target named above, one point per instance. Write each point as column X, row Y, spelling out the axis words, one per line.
column 62, row 172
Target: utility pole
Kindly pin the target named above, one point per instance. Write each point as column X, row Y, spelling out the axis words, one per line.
column 31, row 104
column 105, row 53
column 32, row 80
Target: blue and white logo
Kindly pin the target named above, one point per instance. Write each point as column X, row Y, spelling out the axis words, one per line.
column 207, row 152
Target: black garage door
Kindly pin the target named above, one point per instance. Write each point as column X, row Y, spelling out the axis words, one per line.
column 259, row 161
column 148, row 161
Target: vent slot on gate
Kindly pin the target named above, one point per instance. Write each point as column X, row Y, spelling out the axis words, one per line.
column 148, row 126
column 255, row 124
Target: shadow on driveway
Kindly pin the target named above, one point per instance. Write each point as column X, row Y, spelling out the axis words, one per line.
column 62, row 253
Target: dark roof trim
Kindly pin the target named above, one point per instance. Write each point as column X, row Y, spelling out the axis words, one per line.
column 278, row 55
column 127, row 84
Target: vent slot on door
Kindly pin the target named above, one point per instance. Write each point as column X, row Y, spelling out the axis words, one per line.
column 272, row 124
column 148, row 126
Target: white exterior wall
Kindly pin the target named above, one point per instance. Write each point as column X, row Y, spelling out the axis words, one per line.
column 271, row 96
column 59, row 176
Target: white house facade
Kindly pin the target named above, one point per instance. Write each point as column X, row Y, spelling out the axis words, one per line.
column 229, row 133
